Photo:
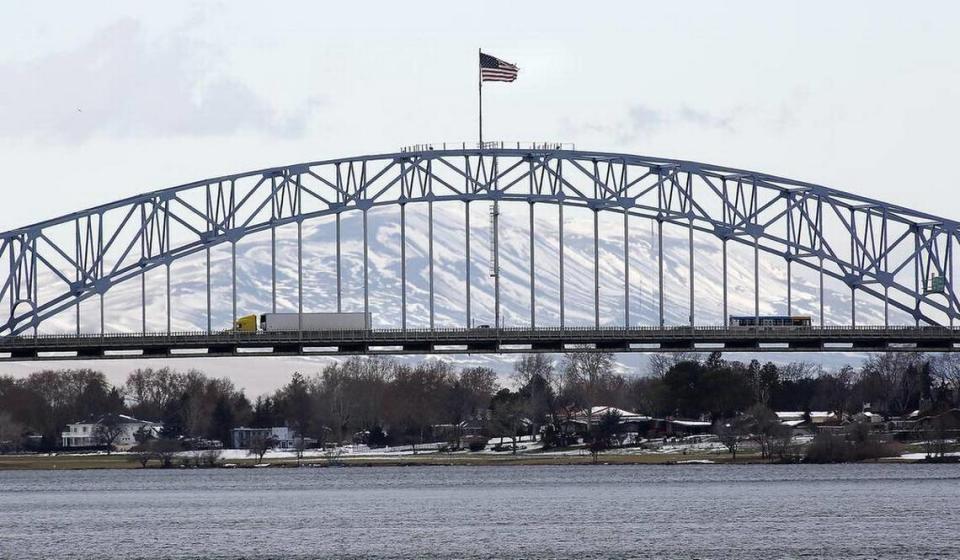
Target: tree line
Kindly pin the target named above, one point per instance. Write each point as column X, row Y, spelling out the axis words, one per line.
column 381, row 401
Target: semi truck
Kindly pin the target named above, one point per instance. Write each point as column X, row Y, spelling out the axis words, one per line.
column 271, row 322
column 771, row 321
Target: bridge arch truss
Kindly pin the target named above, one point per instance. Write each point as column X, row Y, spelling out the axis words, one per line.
column 881, row 251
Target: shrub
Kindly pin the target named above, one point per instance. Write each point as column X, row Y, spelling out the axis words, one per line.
column 828, row 447
column 855, row 445
column 210, row 457
column 477, row 444
column 377, row 437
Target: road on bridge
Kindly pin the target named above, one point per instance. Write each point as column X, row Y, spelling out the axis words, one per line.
column 481, row 341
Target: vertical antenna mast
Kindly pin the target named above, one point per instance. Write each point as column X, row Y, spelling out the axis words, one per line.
column 495, row 260
column 494, row 254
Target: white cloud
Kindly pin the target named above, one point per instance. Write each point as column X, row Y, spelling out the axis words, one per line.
column 123, row 83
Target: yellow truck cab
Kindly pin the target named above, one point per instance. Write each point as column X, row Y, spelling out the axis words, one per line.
column 247, row 323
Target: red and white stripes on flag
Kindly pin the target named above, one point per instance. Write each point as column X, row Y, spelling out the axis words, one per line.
column 492, row 69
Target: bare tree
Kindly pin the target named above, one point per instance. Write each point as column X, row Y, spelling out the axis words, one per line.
column 507, row 415
column 895, row 377
column 164, row 450
column 731, row 432
column 764, row 427
column 150, row 391
column 945, row 368
column 583, row 372
column 795, row 371
column 141, row 454
column 107, row 430
column 210, row 457
column 260, row 443
column 605, row 430
column 530, row 365
column 660, row 362
column 299, row 447
column 473, row 389
column 11, row 433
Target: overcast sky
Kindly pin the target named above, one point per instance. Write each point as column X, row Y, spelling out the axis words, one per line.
column 101, row 101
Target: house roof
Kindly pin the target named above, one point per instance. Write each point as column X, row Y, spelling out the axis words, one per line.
column 120, row 419
column 625, row 415
column 690, row 422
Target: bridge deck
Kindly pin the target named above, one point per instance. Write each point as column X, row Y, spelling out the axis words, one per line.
column 481, row 340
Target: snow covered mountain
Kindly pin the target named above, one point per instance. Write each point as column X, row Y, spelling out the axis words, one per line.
column 188, row 279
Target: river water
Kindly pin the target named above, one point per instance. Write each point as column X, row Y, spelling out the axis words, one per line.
column 681, row 511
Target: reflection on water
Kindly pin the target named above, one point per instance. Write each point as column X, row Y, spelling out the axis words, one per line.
column 689, row 511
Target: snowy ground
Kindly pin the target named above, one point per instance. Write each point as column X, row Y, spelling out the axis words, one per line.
column 921, row 456
column 525, row 445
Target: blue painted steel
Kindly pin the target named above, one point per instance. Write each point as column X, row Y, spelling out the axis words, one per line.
column 879, row 250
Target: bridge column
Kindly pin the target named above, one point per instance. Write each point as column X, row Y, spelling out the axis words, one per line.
column 660, row 265
column 821, row 292
column 169, row 309
column 233, row 282
column 143, row 276
column 853, row 306
column 756, row 282
column 789, row 291
column 626, row 268
column 143, row 305
column 300, row 275
column 533, row 288
column 886, row 308
column 466, row 228
column 403, row 266
column 726, row 317
column 886, row 293
column 273, row 267
column 496, row 263
column 596, row 268
column 692, row 307
column 339, row 276
column 366, row 274
column 209, row 314
column 429, row 256
column 561, row 257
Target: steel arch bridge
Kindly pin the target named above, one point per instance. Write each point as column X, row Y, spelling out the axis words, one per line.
column 900, row 258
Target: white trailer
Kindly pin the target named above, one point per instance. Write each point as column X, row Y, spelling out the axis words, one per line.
column 315, row 321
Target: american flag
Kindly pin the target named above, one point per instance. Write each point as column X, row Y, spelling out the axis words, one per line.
column 492, row 69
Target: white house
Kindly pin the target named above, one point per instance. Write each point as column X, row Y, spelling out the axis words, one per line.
column 86, row 434
column 282, row 436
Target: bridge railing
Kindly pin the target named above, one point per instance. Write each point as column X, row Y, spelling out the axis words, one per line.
column 493, row 332
column 492, row 145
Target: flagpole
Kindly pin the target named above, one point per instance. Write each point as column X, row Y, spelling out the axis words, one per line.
column 480, row 96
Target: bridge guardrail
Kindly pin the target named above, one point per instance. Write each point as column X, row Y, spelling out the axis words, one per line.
column 492, row 145
column 374, row 335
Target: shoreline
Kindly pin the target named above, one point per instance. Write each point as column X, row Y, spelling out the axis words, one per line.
column 124, row 461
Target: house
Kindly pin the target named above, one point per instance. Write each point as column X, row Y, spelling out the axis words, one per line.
column 628, row 421
column 947, row 421
column 820, row 418
column 680, row 426
column 867, row 417
column 282, row 436
column 803, row 422
column 633, row 422
column 94, row 433
column 463, row 430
